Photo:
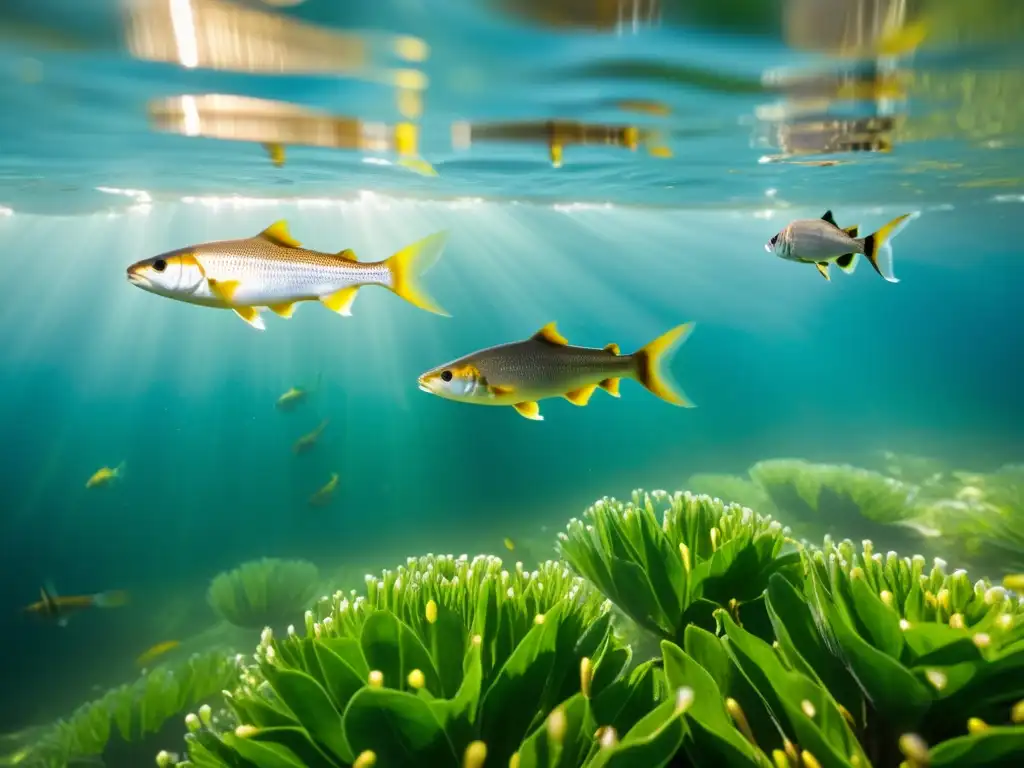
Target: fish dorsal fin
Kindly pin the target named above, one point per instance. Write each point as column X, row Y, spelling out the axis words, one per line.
column 613, row 348
column 347, row 254
column 278, row 234
column 828, row 217
column 550, row 334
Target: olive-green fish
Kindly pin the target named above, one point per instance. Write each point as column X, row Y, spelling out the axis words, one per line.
column 522, row 372
column 273, row 270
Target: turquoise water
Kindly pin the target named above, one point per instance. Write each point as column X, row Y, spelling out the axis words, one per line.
column 615, row 246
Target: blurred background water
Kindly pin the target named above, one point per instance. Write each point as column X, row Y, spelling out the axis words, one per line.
column 612, row 166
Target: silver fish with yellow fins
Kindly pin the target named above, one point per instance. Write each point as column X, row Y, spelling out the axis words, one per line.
column 521, row 373
column 822, row 242
column 273, row 270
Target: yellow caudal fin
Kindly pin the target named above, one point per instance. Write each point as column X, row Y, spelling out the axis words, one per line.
column 650, row 362
column 877, row 248
column 409, row 264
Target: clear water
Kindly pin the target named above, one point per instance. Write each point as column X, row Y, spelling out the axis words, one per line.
column 614, row 245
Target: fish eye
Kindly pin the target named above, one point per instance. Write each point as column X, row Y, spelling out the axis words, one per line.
column 159, row 265
column 446, row 375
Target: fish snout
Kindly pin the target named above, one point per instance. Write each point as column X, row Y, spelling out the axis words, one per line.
column 136, row 276
column 427, row 383
column 768, row 247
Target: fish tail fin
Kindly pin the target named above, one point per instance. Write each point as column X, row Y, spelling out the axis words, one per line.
column 113, row 599
column 409, row 264
column 651, row 359
column 877, row 247
column 119, row 470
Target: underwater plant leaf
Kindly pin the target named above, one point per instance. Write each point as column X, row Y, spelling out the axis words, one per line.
column 594, row 636
column 609, row 665
column 896, row 695
column 350, row 651
column 636, row 596
column 201, row 757
column 806, row 710
column 415, row 656
column 573, row 643
column 458, row 715
column 381, row 643
column 985, row 690
column 298, row 742
column 312, row 707
column 713, row 733
column 651, row 743
column 587, row 560
column 446, row 642
column 700, row 613
column 399, row 727
column 504, row 720
column 994, row 746
column 486, row 624
column 663, row 567
column 219, row 750
column 932, row 644
column 310, row 661
column 340, row 680
column 263, row 754
column 733, row 571
column 799, row 639
column 542, row 750
column 626, row 700
column 255, row 711
column 882, row 622
column 914, row 609
column 709, row 652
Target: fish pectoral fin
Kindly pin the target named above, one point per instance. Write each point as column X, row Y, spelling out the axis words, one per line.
column 529, row 410
column 224, row 289
column 347, row 254
column 611, row 386
column 278, row 234
column 580, row 396
column 828, row 217
column 550, row 334
column 847, row 262
column 853, row 231
column 341, row 301
column 283, row 310
column 613, row 348
column 276, row 152
column 822, row 267
column 252, row 316
column 498, row 390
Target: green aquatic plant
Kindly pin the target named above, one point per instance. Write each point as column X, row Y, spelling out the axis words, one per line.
column 132, row 712
column 732, row 490
column 835, row 657
column 838, row 492
column 412, row 674
column 667, row 574
column 265, row 592
column 910, row 468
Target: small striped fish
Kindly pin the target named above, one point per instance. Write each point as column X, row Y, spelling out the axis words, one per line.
column 273, row 270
